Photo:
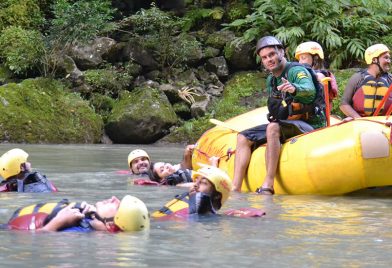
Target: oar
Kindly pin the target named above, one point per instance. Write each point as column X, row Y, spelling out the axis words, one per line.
column 325, row 81
column 224, row 124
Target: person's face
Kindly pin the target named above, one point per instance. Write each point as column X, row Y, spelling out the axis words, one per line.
column 271, row 59
column 164, row 169
column 385, row 61
column 140, row 165
column 305, row 58
column 203, row 185
column 108, row 208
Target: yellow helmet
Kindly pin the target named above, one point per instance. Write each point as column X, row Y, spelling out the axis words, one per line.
column 310, row 47
column 132, row 215
column 375, row 51
column 135, row 154
column 218, row 178
column 10, row 162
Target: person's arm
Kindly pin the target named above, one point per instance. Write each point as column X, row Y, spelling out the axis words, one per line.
column 302, row 81
column 346, row 101
column 187, row 158
column 66, row 217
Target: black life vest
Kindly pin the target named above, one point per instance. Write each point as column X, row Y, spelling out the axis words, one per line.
column 180, row 176
column 31, row 182
column 284, row 107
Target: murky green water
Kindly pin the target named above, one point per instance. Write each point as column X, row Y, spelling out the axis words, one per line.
column 298, row 231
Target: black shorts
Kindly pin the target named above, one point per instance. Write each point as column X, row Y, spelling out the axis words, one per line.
column 288, row 129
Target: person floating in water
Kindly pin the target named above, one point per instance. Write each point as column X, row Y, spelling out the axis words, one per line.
column 139, row 162
column 168, row 174
column 18, row 175
column 112, row 215
column 208, row 194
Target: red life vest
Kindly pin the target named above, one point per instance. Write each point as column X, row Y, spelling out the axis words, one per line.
column 35, row 216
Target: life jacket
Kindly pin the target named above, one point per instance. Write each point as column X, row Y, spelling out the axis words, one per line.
column 332, row 84
column 36, row 216
column 31, row 182
column 180, row 176
column 185, row 204
column 369, row 92
column 282, row 107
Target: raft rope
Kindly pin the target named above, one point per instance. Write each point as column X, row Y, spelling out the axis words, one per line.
column 228, row 154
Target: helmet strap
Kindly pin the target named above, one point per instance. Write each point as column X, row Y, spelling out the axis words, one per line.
column 379, row 66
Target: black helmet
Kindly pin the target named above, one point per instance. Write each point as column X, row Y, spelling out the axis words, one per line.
column 268, row 41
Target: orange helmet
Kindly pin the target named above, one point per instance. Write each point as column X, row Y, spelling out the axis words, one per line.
column 375, row 51
column 310, row 47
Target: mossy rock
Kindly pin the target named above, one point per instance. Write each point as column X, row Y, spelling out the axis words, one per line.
column 141, row 116
column 237, row 10
column 243, row 92
column 40, row 111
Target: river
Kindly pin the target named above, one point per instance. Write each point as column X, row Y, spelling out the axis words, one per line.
column 297, row 231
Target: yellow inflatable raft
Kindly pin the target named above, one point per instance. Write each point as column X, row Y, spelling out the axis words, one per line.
column 342, row 158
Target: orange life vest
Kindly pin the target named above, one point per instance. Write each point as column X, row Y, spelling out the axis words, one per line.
column 369, row 93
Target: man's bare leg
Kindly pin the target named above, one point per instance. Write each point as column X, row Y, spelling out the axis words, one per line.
column 272, row 155
column 241, row 161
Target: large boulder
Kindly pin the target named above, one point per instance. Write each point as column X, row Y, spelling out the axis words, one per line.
column 218, row 66
column 135, row 51
column 141, row 116
column 240, row 56
column 90, row 56
column 42, row 111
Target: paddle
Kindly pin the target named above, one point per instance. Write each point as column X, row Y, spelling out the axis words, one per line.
column 325, row 81
column 224, row 124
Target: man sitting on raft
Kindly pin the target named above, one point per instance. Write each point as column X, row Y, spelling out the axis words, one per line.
column 294, row 105
column 18, row 176
column 112, row 215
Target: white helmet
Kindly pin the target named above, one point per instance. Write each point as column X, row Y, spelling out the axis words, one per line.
column 135, row 154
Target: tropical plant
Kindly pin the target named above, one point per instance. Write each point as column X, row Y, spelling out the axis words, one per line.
column 198, row 16
column 343, row 27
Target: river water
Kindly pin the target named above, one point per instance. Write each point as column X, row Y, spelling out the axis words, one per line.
column 297, row 231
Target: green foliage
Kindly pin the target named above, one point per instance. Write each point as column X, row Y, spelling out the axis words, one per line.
column 40, row 111
column 107, row 81
column 342, row 77
column 237, row 10
column 198, row 16
column 79, row 21
column 23, row 13
column 345, row 28
column 20, row 50
column 102, row 104
column 243, row 92
column 387, row 40
column 162, row 33
column 190, row 131
column 74, row 22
